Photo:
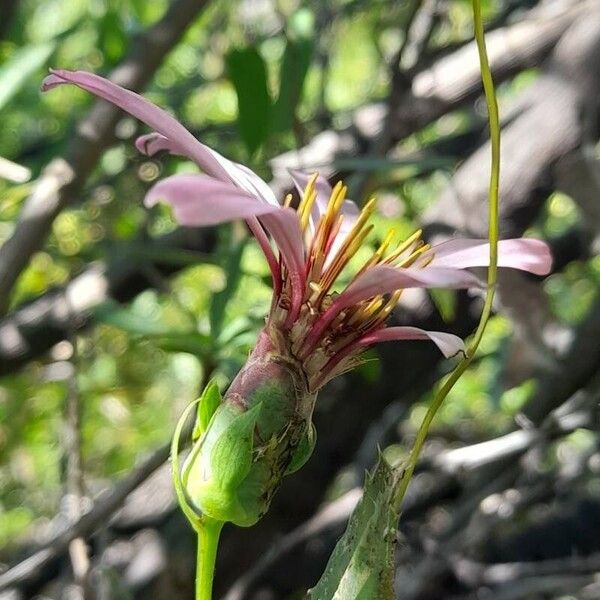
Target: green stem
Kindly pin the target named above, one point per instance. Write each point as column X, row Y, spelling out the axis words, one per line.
column 494, row 123
column 208, row 539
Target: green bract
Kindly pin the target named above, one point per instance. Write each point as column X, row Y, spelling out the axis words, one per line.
column 245, row 443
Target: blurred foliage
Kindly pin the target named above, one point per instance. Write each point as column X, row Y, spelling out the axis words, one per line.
column 254, row 80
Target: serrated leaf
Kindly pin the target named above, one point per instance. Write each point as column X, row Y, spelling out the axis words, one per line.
column 362, row 564
column 248, row 74
column 208, row 404
column 16, row 71
column 294, row 67
column 231, row 456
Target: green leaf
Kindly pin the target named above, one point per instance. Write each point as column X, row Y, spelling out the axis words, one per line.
column 294, row 67
column 208, row 404
column 189, row 511
column 113, row 39
column 445, row 302
column 197, row 344
column 128, row 320
column 16, row 71
column 304, row 450
column 231, row 456
column 248, row 74
column 376, row 163
column 362, row 564
column 125, row 318
column 232, row 266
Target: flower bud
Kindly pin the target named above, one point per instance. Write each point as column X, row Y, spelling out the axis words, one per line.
column 246, row 443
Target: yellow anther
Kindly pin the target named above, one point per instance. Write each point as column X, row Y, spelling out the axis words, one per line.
column 308, row 199
column 386, row 243
column 427, row 261
column 373, row 306
column 338, row 195
column 349, row 248
column 365, row 213
column 378, row 254
column 410, row 260
column 287, row 202
column 404, row 246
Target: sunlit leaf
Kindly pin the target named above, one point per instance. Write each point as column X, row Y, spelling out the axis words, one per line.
column 16, row 71
column 209, row 401
column 294, row 67
column 362, row 564
column 127, row 319
column 248, row 74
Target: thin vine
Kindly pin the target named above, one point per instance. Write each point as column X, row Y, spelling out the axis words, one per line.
column 493, row 210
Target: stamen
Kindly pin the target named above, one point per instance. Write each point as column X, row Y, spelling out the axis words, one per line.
column 287, row 201
column 306, row 203
column 414, row 256
column 404, row 246
column 350, row 245
column 353, row 242
column 378, row 254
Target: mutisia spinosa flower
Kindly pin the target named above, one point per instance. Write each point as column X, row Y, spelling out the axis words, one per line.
column 262, row 428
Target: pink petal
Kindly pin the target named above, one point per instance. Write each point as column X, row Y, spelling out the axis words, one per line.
column 383, row 279
column 284, row 227
column 143, row 110
column 521, row 253
column 151, row 143
column 177, row 138
column 199, row 200
column 448, row 344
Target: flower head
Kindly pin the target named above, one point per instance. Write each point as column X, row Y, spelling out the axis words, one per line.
column 325, row 330
column 314, row 331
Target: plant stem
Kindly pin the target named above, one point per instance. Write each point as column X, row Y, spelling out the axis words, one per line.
column 208, row 539
column 494, row 123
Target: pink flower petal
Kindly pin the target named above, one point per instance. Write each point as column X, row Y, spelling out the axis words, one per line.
column 383, row 279
column 448, row 344
column 151, row 143
column 284, row 227
column 521, row 253
column 177, row 138
column 199, row 200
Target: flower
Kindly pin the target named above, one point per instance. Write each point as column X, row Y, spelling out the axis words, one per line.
column 313, row 332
